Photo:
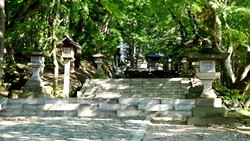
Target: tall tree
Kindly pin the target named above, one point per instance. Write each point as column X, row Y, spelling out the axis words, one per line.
column 1, row 38
column 54, row 40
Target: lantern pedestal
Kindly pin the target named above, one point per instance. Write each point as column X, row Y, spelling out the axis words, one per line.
column 208, row 79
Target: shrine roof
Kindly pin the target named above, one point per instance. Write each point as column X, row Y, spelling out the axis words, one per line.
column 71, row 41
column 155, row 55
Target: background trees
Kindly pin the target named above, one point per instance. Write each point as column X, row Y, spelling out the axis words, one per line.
column 164, row 26
column 1, row 38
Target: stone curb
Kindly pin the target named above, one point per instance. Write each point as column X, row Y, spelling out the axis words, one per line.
column 140, row 132
column 3, row 102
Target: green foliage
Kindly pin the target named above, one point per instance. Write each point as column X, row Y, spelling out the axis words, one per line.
column 154, row 26
column 230, row 94
column 112, row 8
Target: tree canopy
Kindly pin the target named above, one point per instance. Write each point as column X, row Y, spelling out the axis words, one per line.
column 164, row 26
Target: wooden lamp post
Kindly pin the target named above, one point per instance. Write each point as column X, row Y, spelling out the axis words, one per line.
column 68, row 53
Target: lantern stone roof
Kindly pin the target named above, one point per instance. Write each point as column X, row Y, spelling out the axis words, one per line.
column 36, row 53
column 98, row 55
column 68, row 40
column 196, row 56
column 206, row 53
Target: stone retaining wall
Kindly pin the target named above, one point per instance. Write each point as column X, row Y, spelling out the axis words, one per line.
column 98, row 107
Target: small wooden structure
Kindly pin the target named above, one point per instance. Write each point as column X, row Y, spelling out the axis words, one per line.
column 155, row 61
column 69, row 47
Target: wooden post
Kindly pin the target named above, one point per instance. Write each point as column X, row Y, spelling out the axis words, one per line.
column 66, row 78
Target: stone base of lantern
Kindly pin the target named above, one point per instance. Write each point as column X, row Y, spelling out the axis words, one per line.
column 36, row 82
column 209, row 102
column 210, row 121
column 209, row 111
column 36, row 92
column 99, row 74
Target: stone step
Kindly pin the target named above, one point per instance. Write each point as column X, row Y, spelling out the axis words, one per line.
column 152, row 87
column 100, row 100
column 130, row 85
column 98, row 107
column 136, row 91
column 104, row 107
column 42, row 113
column 124, row 103
column 65, row 107
column 201, row 121
column 178, row 114
column 209, row 112
column 131, row 113
column 157, row 101
column 62, row 101
column 88, row 112
column 74, row 113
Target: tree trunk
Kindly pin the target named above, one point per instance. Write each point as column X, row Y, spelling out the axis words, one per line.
column 132, row 54
column 54, row 51
column 242, row 85
column 217, row 39
column 1, row 38
column 217, row 31
column 243, row 78
column 229, row 75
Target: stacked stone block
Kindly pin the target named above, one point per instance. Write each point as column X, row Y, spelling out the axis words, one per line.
column 112, row 97
column 98, row 107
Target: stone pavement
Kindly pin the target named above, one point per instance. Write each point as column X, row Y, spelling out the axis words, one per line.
column 177, row 130
column 69, row 128
column 111, row 129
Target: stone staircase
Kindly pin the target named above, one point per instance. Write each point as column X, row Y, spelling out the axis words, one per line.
column 136, row 88
column 111, row 97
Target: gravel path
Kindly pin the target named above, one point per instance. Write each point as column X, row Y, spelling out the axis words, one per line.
column 111, row 129
column 179, row 131
column 70, row 129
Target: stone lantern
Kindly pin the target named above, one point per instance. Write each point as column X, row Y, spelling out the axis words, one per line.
column 208, row 108
column 35, row 87
column 98, row 60
column 203, row 62
column 68, row 54
column 185, row 64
